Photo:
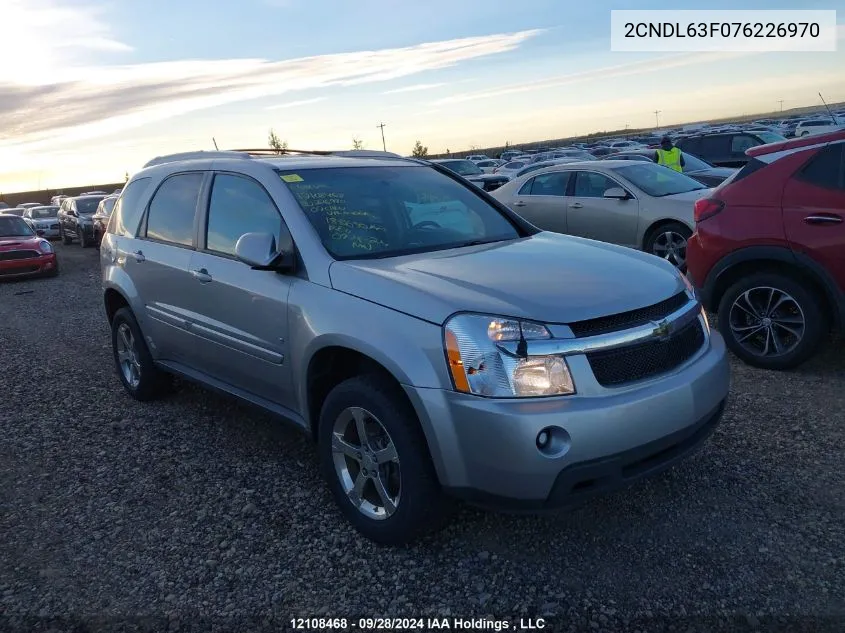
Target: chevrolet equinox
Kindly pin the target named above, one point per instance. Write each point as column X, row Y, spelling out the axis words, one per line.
column 434, row 344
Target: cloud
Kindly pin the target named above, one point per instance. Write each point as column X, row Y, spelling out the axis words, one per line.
column 68, row 104
column 621, row 70
column 294, row 104
column 414, row 88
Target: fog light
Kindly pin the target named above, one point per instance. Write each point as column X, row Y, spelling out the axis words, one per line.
column 542, row 439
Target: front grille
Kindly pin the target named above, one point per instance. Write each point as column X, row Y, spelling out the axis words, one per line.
column 21, row 270
column 627, row 320
column 54, row 227
column 14, row 255
column 637, row 362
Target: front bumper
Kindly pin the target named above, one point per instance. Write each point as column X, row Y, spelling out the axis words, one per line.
column 485, row 450
column 47, row 233
column 35, row 266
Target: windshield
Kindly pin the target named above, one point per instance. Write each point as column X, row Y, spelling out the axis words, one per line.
column 372, row 212
column 12, row 226
column 770, row 137
column 658, row 181
column 463, row 167
column 43, row 212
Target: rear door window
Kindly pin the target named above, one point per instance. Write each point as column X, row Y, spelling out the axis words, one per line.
column 742, row 142
column 717, row 145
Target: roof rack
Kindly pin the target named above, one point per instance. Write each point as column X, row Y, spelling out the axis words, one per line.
column 265, row 152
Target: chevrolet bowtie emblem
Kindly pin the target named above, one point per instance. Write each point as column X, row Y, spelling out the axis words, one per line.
column 662, row 329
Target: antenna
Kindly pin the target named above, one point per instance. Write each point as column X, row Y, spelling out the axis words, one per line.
column 215, row 143
column 383, row 144
column 657, row 118
column 833, row 118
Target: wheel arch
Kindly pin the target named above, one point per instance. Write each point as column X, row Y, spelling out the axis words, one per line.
column 656, row 224
column 778, row 259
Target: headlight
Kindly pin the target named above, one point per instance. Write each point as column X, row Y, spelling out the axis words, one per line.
column 45, row 246
column 478, row 366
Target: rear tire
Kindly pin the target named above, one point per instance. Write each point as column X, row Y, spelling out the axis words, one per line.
column 151, row 383
column 420, row 505
column 746, row 308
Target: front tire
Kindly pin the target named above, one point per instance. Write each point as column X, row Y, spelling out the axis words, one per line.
column 65, row 239
column 669, row 241
column 772, row 321
column 135, row 367
column 83, row 240
column 375, row 459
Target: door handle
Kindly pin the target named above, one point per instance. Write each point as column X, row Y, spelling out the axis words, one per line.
column 519, row 203
column 139, row 256
column 576, row 205
column 823, row 218
column 201, row 275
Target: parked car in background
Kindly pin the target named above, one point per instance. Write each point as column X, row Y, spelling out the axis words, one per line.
column 43, row 220
column 601, row 152
column 101, row 217
column 22, row 252
column 768, row 253
column 705, row 173
column 57, row 200
column 469, row 170
column 542, row 165
column 726, row 149
column 18, row 211
column 75, row 219
column 3, row 205
column 511, row 168
column 811, row 127
column 477, row 157
column 509, row 154
column 29, row 205
column 635, row 204
column 489, row 166
column 499, row 363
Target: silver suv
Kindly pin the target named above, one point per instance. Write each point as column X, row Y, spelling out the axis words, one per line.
column 432, row 342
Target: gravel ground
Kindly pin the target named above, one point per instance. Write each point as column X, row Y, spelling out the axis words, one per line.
column 201, row 513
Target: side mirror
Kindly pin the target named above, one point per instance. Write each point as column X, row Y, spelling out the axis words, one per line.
column 617, row 193
column 260, row 252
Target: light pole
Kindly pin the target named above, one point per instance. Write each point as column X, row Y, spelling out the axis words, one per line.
column 383, row 144
column 657, row 118
column 781, row 104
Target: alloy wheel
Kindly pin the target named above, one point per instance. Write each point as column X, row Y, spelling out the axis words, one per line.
column 672, row 247
column 127, row 356
column 366, row 463
column 767, row 321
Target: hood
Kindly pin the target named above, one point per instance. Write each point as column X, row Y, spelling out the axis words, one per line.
column 548, row 277
column 11, row 243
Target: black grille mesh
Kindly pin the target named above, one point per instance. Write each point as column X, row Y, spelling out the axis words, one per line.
column 14, row 255
column 626, row 320
column 20, row 270
column 637, row 362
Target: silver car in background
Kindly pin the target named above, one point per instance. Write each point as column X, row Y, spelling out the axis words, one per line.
column 43, row 220
column 631, row 203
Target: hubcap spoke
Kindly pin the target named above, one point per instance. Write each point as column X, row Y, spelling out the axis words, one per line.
column 339, row 445
column 356, row 495
column 752, row 332
column 361, row 426
column 387, row 454
column 767, row 321
column 387, row 502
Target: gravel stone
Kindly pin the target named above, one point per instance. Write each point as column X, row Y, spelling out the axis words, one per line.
column 198, row 513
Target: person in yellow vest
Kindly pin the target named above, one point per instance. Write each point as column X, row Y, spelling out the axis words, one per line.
column 668, row 155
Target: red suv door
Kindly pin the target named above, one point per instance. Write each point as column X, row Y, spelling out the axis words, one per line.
column 814, row 210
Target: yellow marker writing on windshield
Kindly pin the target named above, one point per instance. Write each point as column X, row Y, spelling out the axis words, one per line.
column 292, row 178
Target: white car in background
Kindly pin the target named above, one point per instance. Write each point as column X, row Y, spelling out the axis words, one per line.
column 631, row 203
column 489, row 166
column 477, row 157
column 512, row 167
column 811, row 127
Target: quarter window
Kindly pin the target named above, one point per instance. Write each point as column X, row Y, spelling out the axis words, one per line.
column 239, row 206
column 825, row 169
column 170, row 217
column 127, row 210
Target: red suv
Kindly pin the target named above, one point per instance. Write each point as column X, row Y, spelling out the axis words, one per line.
column 768, row 252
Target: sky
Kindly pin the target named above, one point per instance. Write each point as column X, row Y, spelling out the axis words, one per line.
column 92, row 89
